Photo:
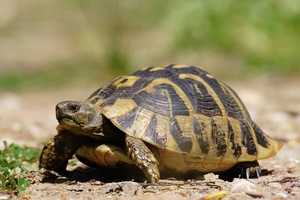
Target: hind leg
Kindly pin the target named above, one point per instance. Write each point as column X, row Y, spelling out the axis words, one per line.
column 242, row 170
column 247, row 169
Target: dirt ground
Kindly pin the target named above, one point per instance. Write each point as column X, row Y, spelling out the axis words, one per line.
column 28, row 118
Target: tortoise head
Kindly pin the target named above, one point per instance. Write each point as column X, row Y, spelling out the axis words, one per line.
column 79, row 117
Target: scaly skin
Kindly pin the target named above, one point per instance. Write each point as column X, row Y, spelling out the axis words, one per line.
column 59, row 150
column 143, row 158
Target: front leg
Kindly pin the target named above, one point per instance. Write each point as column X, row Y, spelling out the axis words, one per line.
column 59, row 150
column 143, row 158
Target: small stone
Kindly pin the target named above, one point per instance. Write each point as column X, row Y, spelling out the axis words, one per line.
column 130, row 188
column 211, row 177
column 255, row 194
column 97, row 183
column 280, row 195
column 242, row 185
column 110, row 187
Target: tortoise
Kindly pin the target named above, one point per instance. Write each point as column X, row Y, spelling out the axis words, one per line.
column 175, row 118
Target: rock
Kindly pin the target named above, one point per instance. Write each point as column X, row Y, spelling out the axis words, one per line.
column 111, row 188
column 242, row 185
column 130, row 188
column 127, row 188
column 211, row 177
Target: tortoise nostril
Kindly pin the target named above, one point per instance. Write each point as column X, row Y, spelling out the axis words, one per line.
column 63, row 105
column 73, row 108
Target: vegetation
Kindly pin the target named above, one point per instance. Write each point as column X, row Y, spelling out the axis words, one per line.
column 15, row 163
column 107, row 38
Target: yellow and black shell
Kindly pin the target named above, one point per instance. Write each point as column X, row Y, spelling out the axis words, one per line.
column 184, row 111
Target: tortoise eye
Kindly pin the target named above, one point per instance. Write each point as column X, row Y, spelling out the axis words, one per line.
column 73, row 108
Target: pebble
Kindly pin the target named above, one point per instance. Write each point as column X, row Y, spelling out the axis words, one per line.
column 242, row 185
column 130, row 188
column 110, row 187
column 127, row 188
column 280, row 195
column 211, row 177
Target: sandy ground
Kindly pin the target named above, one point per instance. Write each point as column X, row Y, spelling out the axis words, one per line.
column 28, row 118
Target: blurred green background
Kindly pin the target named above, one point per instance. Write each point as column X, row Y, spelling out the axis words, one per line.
column 53, row 43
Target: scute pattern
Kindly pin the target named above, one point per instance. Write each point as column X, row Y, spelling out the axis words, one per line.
column 183, row 141
column 184, row 109
column 127, row 91
column 235, row 146
column 205, row 103
column 201, row 134
column 260, row 136
column 218, row 136
column 103, row 92
column 161, row 100
column 228, row 101
column 152, row 134
column 247, row 138
column 128, row 119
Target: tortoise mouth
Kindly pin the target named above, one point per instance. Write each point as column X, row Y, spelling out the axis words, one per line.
column 61, row 117
column 67, row 122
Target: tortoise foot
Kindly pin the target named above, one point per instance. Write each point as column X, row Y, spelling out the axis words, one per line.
column 58, row 151
column 242, row 170
column 247, row 170
column 143, row 158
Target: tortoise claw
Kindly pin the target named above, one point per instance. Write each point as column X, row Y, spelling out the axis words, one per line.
column 258, row 171
column 247, row 170
column 247, row 173
column 252, row 172
column 242, row 170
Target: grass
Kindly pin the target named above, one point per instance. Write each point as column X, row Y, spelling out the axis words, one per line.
column 15, row 162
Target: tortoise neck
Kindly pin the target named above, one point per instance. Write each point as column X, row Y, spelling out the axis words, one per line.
column 111, row 132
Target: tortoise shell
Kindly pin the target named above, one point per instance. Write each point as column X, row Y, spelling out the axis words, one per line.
column 184, row 110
